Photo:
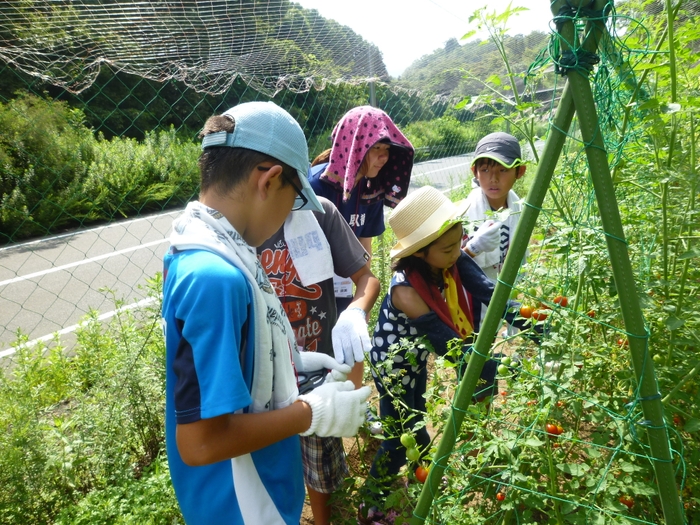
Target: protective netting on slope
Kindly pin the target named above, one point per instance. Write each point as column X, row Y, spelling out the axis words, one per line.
column 273, row 45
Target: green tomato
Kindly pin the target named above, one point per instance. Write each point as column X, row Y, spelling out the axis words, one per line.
column 533, row 292
column 658, row 358
column 408, row 440
column 506, row 361
column 412, row 454
column 503, row 370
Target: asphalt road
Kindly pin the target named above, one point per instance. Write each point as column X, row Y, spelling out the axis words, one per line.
column 48, row 285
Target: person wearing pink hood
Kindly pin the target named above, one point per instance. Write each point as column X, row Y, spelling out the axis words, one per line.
column 368, row 167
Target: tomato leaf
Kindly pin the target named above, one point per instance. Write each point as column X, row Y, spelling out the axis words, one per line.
column 673, row 323
column 575, row 469
column 628, row 467
column 689, row 254
column 692, row 425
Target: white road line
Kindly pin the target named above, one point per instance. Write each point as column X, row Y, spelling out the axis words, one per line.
column 73, row 234
column 73, row 328
column 79, row 263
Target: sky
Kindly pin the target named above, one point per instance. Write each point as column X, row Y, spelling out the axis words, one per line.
column 405, row 30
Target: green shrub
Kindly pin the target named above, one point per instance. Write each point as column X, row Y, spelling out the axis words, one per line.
column 147, row 501
column 444, row 136
column 127, row 178
column 44, row 148
column 90, row 422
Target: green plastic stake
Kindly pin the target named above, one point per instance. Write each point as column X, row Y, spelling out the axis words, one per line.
column 650, row 397
column 482, row 347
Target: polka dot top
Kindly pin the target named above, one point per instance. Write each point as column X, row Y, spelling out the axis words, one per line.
column 392, row 325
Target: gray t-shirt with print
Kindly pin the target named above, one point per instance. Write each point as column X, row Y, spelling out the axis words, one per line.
column 311, row 310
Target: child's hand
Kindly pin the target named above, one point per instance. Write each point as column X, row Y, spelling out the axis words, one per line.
column 310, row 362
column 337, row 409
column 350, row 336
column 486, row 239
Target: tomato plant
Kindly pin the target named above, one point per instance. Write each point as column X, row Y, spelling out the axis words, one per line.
column 422, row 473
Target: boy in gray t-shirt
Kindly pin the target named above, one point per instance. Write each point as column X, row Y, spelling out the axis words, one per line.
column 311, row 309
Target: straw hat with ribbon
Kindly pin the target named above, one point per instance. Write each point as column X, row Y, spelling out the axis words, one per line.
column 423, row 216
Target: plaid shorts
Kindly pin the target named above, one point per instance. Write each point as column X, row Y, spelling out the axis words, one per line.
column 324, row 463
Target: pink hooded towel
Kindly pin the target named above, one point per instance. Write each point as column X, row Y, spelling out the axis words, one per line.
column 360, row 129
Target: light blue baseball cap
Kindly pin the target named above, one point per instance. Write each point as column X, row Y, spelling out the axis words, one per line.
column 269, row 129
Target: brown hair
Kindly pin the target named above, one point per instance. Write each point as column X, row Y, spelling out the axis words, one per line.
column 324, row 156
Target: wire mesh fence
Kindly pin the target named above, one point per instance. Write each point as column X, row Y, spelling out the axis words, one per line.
column 95, row 179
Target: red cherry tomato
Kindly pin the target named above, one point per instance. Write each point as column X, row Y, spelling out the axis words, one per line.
column 539, row 315
column 627, row 501
column 621, row 341
column 422, row 473
column 561, row 301
column 560, row 430
column 551, row 429
column 500, row 496
column 591, row 314
column 526, row 312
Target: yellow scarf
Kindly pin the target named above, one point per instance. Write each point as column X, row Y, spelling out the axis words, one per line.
column 459, row 318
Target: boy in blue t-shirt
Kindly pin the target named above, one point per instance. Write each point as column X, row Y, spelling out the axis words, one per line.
column 233, row 410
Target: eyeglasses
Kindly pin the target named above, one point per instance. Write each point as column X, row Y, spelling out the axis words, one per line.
column 300, row 200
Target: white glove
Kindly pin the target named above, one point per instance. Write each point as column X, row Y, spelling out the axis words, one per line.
column 350, row 336
column 486, row 239
column 310, row 362
column 337, row 409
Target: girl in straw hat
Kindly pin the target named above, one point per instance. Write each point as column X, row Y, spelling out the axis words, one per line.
column 436, row 292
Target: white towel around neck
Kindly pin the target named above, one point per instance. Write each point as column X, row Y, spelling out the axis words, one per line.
column 274, row 377
column 308, row 247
